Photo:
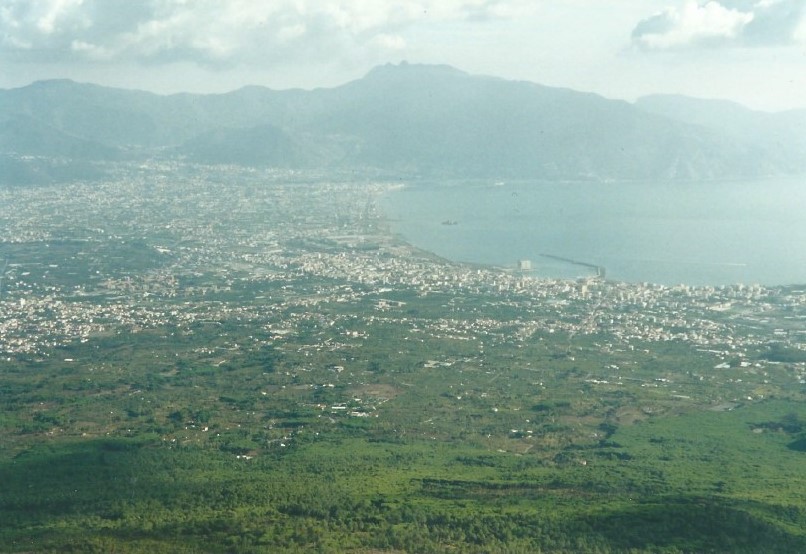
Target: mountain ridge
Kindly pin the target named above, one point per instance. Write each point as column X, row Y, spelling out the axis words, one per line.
column 411, row 119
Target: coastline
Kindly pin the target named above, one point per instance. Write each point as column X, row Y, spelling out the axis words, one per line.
column 385, row 222
column 627, row 233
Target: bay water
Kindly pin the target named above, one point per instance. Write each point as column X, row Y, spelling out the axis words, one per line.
column 693, row 233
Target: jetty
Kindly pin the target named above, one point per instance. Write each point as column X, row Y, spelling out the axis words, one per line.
column 600, row 270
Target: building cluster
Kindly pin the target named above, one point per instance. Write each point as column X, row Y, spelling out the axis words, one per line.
column 269, row 249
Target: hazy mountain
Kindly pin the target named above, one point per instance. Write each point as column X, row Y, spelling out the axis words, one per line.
column 438, row 119
column 255, row 146
column 410, row 119
column 26, row 135
column 779, row 137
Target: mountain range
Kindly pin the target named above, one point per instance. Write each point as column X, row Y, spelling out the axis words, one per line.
column 407, row 120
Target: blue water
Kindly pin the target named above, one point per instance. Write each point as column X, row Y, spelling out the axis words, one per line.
column 713, row 233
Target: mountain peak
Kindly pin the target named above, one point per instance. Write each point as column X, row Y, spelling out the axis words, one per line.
column 47, row 84
column 408, row 119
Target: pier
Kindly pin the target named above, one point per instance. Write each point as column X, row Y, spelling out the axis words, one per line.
column 600, row 270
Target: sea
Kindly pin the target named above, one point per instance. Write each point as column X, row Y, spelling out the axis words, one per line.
column 692, row 233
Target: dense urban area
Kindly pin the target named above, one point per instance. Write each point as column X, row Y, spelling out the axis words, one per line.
column 219, row 359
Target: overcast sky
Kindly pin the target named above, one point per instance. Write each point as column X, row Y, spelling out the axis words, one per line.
column 751, row 51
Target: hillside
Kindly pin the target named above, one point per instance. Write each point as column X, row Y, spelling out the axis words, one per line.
column 779, row 138
column 408, row 119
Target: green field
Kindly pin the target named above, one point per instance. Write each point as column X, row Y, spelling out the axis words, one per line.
column 261, row 380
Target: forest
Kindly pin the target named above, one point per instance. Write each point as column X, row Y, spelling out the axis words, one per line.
column 288, row 377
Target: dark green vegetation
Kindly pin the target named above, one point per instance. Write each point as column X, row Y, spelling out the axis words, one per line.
column 409, row 120
column 284, row 377
column 147, row 445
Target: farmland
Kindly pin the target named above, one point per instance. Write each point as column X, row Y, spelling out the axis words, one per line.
column 213, row 359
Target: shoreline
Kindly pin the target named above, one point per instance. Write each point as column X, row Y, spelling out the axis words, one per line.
column 496, row 221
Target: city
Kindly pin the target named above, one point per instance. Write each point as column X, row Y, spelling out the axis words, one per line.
column 207, row 316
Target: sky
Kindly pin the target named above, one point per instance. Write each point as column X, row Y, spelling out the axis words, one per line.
column 749, row 51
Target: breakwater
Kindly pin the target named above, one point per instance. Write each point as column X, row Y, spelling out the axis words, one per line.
column 600, row 270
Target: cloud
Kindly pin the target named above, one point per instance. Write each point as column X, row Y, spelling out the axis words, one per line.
column 722, row 23
column 390, row 42
column 776, row 22
column 221, row 33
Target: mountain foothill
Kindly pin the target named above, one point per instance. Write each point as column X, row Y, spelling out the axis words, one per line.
column 404, row 120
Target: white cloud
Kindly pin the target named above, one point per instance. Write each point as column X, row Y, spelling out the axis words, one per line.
column 54, row 13
column 721, row 23
column 291, row 32
column 221, row 33
column 91, row 51
column 390, row 42
column 692, row 23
